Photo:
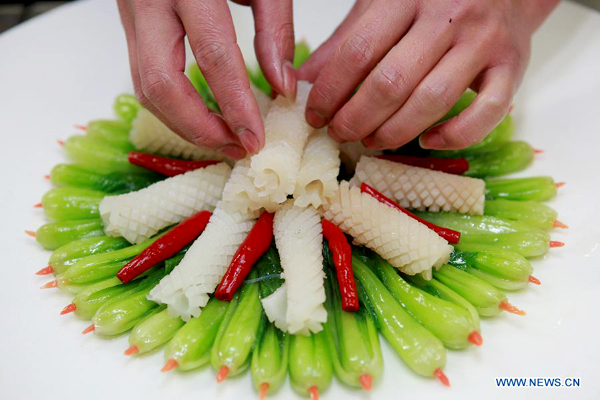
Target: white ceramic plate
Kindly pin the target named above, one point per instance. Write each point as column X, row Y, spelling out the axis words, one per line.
column 66, row 67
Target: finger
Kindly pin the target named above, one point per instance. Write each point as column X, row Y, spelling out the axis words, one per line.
column 481, row 117
column 210, row 31
column 355, row 56
column 274, row 43
column 392, row 81
column 431, row 99
column 317, row 60
column 161, row 61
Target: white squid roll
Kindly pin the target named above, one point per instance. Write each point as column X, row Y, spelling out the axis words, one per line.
column 275, row 307
column 407, row 244
column 275, row 167
column 240, row 192
column 317, row 178
column 351, row 152
column 299, row 240
column 149, row 134
column 186, row 289
column 421, row 188
column 139, row 215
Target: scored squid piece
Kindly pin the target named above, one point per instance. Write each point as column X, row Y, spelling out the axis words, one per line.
column 320, row 166
column 186, row 289
column 298, row 305
column 275, row 167
column 422, row 188
column 150, row 135
column 240, row 192
column 137, row 216
column 407, row 244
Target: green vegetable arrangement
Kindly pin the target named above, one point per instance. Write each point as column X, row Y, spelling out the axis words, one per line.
column 421, row 319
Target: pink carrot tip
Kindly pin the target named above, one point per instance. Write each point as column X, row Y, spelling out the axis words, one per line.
column 439, row 374
column 60, row 142
column 50, row 285
column 534, row 280
column 538, row 151
column 38, row 205
column 81, row 127
column 222, row 374
column 131, row 350
column 475, row 338
column 45, row 271
column 264, row 388
column 560, row 184
column 30, row 233
column 169, row 365
column 558, row 224
column 47, row 176
column 89, row 329
column 556, row 243
column 313, row 391
column 366, row 381
column 506, row 306
column 68, row 309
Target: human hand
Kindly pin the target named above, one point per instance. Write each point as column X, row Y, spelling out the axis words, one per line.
column 414, row 59
column 155, row 31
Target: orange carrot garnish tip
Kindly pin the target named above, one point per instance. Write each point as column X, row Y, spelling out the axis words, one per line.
column 50, row 285
column 89, row 329
column 558, row 224
column 47, row 176
column 38, row 205
column 535, row 280
column 538, row 151
column 512, row 107
column 506, row 306
column 80, row 127
column 68, row 309
column 560, row 184
column 314, row 393
column 439, row 374
column 30, row 233
column 366, row 381
column 475, row 338
column 60, row 142
column 222, row 374
column 45, row 271
column 264, row 388
column 132, row 350
column 169, row 365
column 556, row 243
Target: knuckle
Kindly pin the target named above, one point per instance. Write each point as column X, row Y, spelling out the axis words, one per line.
column 389, row 83
column 434, row 96
column 391, row 137
column 496, row 105
column 212, row 55
column 155, row 84
column 357, row 51
column 346, row 130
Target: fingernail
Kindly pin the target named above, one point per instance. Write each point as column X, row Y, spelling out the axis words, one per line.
column 289, row 80
column 233, row 151
column 249, row 141
column 315, row 119
column 331, row 132
column 432, row 140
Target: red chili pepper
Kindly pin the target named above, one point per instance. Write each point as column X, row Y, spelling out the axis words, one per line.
column 165, row 166
column 254, row 246
column 165, row 247
column 448, row 234
column 456, row 166
column 342, row 259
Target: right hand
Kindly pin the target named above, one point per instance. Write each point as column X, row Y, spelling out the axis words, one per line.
column 155, row 30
